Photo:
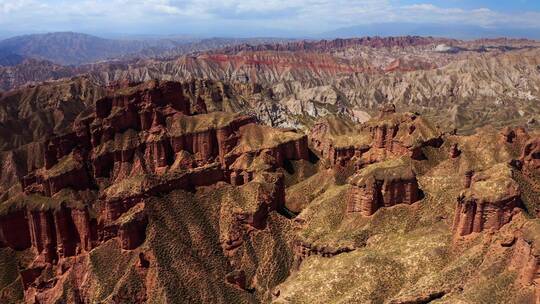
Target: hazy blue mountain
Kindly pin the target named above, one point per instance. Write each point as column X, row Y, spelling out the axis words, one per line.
column 68, row 48
column 422, row 29
column 76, row 48
column 9, row 59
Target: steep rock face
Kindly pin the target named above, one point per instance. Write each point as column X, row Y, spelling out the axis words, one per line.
column 268, row 190
column 367, row 85
column 525, row 258
column 527, row 262
column 61, row 233
column 530, row 155
column 383, row 185
column 281, row 145
column 189, row 207
column 32, row 115
column 489, row 203
column 31, row 70
column 14, row 231
column 486, row 165
column 62, row 114
column 338, row 140
column 69, row 172
column 139, row 142
column 132, row 228
column 400, row 134
column 281, row 77
column 10, row 169
column 389, row 135
column 147, row 120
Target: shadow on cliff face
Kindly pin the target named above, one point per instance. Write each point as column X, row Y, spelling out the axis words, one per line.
column 290, row 167
column 313, row 158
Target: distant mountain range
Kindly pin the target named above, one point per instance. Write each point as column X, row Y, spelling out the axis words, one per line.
column 68, row 48
column 9, row 59
column 436, row 30
column 75, row 48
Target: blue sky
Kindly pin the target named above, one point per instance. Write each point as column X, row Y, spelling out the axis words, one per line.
column 256, row 17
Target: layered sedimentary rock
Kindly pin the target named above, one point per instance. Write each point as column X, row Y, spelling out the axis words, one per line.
column 139, row 142
column 267, row 191
column 54, row 234
column 151, row 124
column 153, row 194
column 400, row 134
column 489, row 202
column 338, row 140
column 329, row 45
column 14, row 232
column 530, row 155
column 527, row 261
column 383, row 184
column 131, row 227
column 389, row 135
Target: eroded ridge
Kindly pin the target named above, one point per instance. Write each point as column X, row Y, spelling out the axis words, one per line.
column 140, row 142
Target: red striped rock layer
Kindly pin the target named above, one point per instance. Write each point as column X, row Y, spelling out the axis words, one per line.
column 139, row 131
column 530, row 155
column 526, row 262
column 53, row 234
column 243, row 223
column 374, row 194
column 477, row 216
column 490, row 201
column 390, row 135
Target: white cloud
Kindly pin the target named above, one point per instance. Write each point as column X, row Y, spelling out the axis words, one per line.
column 306, row 15
column 480, row 16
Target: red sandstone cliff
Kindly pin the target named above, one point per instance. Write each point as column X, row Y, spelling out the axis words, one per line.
column 389, row 135
column 530, row 155
column 490, row 201
column 141, row 141
column 383, row 185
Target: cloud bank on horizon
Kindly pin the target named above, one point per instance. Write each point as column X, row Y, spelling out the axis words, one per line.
column 256, row 17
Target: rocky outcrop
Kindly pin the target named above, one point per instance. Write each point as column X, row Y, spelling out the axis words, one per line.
column 490, row 202
column 118, row 200
column 61, row 233
column 526, row 261
column 237, row 278
column 68, row 172
column 14, row 231
column 389, row 135
column 52, row 233
column 530, row 155
column 338, row 140
column 383, row 185
column 254, row 140
column 400, row 134
column 454, row 151
column 332, row 45
column 136, row 131
column 268, row 189
column 132, row 228
column 141, row 193
column 143, row 141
